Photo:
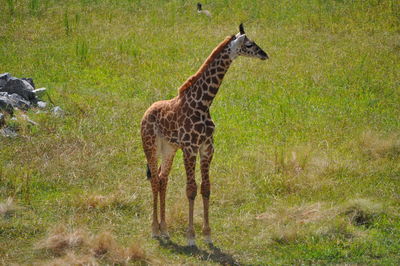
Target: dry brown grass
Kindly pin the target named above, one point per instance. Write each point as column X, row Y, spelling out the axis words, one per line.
column 303, row 161
column 300, row 168
column 300, row 215
column 287, row 225
column 60, row 239
column 104, row 246
column 8, row 207
column 97, row 201
column 362, row 211
column 304, row 169
column 378, row 146
column 103, row 243
column 72, row 259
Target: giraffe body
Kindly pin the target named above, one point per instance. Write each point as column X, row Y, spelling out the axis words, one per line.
column 184, row 122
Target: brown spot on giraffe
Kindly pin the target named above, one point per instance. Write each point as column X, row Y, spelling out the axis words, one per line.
column 184, row 122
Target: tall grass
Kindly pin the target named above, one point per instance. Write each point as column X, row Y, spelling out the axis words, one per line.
column 81, row 50
column 10, row 4
column 67, row 26
column 306, row 166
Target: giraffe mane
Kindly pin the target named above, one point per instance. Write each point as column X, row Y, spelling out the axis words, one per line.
column 192, row 79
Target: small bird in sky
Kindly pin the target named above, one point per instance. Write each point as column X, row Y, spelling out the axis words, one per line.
column 201, row 11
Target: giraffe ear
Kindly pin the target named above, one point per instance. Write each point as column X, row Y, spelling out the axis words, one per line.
column 239, row 40
column 236, row 44
column 241, row 29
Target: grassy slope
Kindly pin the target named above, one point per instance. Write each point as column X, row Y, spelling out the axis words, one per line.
column 316, row 124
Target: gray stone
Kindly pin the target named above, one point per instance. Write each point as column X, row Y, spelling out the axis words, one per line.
column 57, row 111
column 2, row 120
column 8, row 132
column 13, row 100
column 19, row 102
column 4, row 78
column 30, row 81
column 20, row 87
column 6, row 104
column 41, row 104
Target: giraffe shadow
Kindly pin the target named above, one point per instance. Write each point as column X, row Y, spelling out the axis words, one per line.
column 215, row 254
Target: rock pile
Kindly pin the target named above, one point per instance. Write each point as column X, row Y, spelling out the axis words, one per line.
column 18, row 93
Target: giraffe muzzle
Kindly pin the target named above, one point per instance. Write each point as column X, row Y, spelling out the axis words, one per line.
column 263, row 55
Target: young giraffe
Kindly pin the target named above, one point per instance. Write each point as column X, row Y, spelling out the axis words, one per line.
column 184, row 122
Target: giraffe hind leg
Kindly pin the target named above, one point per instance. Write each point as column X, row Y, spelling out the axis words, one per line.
column 155, row 187
column 148, row 173
column 167, row 153
column 150, row 150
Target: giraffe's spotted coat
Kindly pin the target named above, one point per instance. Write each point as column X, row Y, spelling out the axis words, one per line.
column 184, row 122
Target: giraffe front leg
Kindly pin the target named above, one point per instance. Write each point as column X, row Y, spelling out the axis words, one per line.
column 206, row 154
column 191, row 190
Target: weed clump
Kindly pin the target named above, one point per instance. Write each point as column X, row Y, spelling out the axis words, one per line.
column 60, row 240
column 362, row 211
column 101, row 247
column 376, row 146
column 105, row 247
column 304, row 214
column 102, row 244
column 72, row 259
column 288, row 225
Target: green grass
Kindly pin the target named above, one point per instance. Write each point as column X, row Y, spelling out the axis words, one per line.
column 308, row 141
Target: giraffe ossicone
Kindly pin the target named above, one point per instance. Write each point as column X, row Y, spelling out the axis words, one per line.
column 184, row 122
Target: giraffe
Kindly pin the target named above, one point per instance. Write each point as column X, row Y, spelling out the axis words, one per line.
column 184, row 122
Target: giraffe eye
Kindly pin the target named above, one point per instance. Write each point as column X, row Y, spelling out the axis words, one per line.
column 248, row 44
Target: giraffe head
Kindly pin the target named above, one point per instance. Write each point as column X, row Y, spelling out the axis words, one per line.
column 241, row 45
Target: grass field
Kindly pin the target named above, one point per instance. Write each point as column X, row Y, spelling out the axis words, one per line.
column 307, row 161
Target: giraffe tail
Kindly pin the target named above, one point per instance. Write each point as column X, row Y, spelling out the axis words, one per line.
column 148, row 173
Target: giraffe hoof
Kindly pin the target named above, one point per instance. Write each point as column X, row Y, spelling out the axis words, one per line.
column 163, row 230
column 191, row 243
column 207, row 240
column 155, row 236
column 164, row 235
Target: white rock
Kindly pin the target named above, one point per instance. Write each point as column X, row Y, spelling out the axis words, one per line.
column 57, row 111
column 41, row 104
column 8, row 132
column 40, row 92
column 2, row 120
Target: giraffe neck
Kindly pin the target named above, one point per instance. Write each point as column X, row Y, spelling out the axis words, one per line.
column 206, row 86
